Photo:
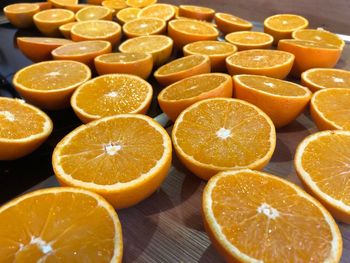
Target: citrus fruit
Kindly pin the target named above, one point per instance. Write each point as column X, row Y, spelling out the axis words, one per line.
column 140, row 3
column 322, row 78
column 200, row 21
column 50, row 84
column 162, row 11
column 94, row 13
column 181, row 68
column 131, row 151
column 94, row 2
column 76, row 7
column 196, row 12
column 66, row 28
column 319, row 35
column 48, row 21
column 23, row 128
column 330, row 109
column 160, row 47
column 220, row 134
column 184, row 31
column 270, row 63
column 322, row 164
column 44, row 5
column 21, row 15
column 282, row 26
column 283, row 101
column 217, row 51
column 60, row 225
column 115, row 5
column 228, row 23
column 39, row 48
column 182, row 94
column 139, row 64
column 245, row 40
column 310, row 54
column 144, row 26
column 247, row 221
column 127, row 14
column 84, row 51
column 62, row 3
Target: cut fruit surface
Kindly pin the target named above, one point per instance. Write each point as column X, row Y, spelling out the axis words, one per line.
column 245, row 40
column 248, row 222
column 322, row 164
column 144, row 26
column 132, row 151
column 221, row 134
column 50, row 225
column 127, row 14
column 63, row 3
column 23, row 128
column 115, row 5
column 182, row 94
column 94, row 13
column 228, row 23
column 21, row 15
column 66, row 28
column 162, row 11
column 140, row 3
column 75, row 7
column 110, row 95
column 196, row 12
column 330, row 109
column 319, row 35
column 283, row 101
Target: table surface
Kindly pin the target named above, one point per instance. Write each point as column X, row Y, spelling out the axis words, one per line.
column 167, row 227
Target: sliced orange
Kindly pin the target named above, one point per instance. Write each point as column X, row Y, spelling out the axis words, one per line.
column 196, row 12
column 330, row 109
column 39, row 48
column 184, row 31
column 310, row 54
column 140, row 3
column 50, row 84
column 127, row 14
column 144, row 27
column 319, row 35
column 131, row 151
column 270, row 63
column 48, row 21
column 217, row 51
column 282, row 26
column 50, row 225
column 94, row 13
column 76, row 7
column 162, row 11
column 283, row 101
column 201, row 21
column 220, row 134
column 23, row 128
column 44, row 5
column 62, row 3
column 322, row 164
column 66, row 28
column 21, row 15
column 97, row 30
column 323, row 78
column 182, row 94
column 228, row 23
column 110, row 95
column 115, row 5
column 253, row 216
column 245, row 40
column 94, row 2
column 160, row 47
column 181, row 68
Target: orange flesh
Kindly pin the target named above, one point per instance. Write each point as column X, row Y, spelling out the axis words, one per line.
column 285, row 22
column 311, row 44
column 330, row 78
column 140, row 3
column 117, row 151
column 122, row 57
column 96, row 28
column 51, row 226
column 80, row 48
column 249, row 38
column 45, row 40
column 128, row 14
column 21, row 8
column 92, row 13
column 211, row 47
column 199, row 9
column 249, row 131
column 234, row 19
column 144, row 26
column 162, row 11
column 300, row 231
column 318, row 36
column 145, row 44
column 115, row 4
column 193, row 27
column 53, row 15
column 68, row 26
column 181, row 64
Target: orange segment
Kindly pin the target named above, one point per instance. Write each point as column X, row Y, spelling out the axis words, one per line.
column 319, row 35
column 247, row 221
column 223, row 134
column 66, row 28
column 162, row 11
column 52, row 224
column 62, row 3
column 144, row 27
column 39, row 48
column 132, row 151
column 270, row 63
column 94, row 13
column 23, row 128
column 127, row 14
column 181, row 68
column 115, row 5
column 283, row 101
column 75, row 7
column 182, row 94
column 322, row 164
column 140, row 3
column 21, row 15
column 196, row 12
column 330, row 109
column 228, row 23
column 50, row 84
column 245, row 40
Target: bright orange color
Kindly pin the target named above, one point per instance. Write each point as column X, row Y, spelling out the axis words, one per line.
column 76, row 7
column 221, row 134
column 132, row 151
column 182, row 94
column 127, row 14
column 140, row 3
column 66, row 28
column 23, row 128
column 162, row 11
column 94, row 13
column 44, row 5
column 139, row 64
column 253, row 216
column 50, row 84
column 283, row 101
column 270, row 63
column 182, row 68
column 197, row 12
column 245, row 40
column 318, row 35
column 228, row 23
column 115, row 5
column 50, row 225
column 63, row 3
column 21, row 15
column 144, row 27
column 322, row 164
column 111, row 94
column 330, row 109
